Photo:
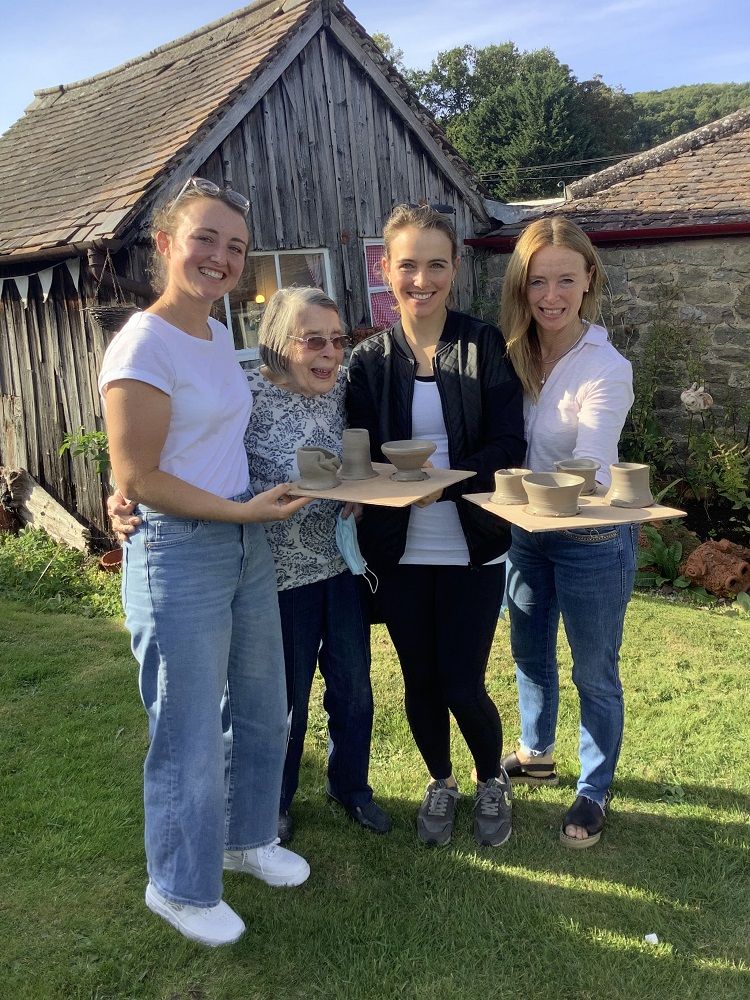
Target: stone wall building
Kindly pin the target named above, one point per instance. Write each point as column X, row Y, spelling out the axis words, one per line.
column 673, row 228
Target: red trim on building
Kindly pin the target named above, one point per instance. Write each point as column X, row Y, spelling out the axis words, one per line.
column 505, row 244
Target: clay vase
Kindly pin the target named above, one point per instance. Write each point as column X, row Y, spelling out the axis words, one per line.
column 553, row 494
column 509, row 486
column 357, row 464
column 630, row 485
column 111, row 561
column 585, row 467
column 317, row 469
column 408, row 457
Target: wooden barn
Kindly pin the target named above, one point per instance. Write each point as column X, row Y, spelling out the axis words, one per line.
column 290, row 103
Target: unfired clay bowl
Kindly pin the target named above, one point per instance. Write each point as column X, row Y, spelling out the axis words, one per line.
column 317, row 469
column 585, row 467
column 553, row 494
column 408, row 457
column 630, row 485
column 356, row 451
column 509, row 486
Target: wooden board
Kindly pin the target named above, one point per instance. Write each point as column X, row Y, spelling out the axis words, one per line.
column 382, row 491
column 594, row 512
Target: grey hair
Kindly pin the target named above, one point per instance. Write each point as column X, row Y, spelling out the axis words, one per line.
column 281, row 321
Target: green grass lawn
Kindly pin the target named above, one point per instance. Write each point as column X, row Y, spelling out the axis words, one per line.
column 383, row 917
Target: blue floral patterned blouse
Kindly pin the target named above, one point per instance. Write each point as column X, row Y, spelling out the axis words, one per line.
column 304, row 547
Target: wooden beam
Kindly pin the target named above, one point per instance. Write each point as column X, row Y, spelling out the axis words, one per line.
column 347, row 41
column 37, row 508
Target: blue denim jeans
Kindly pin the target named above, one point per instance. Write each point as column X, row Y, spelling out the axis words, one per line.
column 587, row 575
column 201, row 608
column 323, row 623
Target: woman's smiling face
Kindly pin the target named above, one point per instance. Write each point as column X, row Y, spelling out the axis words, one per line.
column 420, row 269
column 313, row 372
column 557, row 280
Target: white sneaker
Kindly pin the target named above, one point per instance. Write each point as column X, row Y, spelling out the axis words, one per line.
column 211, row 925
column 272, row 864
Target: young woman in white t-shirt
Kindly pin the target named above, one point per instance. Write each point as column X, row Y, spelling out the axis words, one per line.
column 577, row 393
column 199, row 586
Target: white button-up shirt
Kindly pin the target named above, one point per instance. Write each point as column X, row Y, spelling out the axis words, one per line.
column 581, row 408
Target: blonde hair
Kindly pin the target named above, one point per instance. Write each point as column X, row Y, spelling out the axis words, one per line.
column 167, row 218
column 281, row 321
column 516, row 322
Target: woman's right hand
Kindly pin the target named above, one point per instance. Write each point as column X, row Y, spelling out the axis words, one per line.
column 121, row 516
column 274, row 505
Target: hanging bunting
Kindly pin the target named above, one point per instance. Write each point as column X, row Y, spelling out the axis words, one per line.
column 22, row 284
column 74, row 266
column 45, row 278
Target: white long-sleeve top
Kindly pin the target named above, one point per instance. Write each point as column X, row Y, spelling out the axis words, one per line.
column 581, row 408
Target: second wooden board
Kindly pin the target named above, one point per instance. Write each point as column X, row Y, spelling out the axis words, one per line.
column 594, row 512
column 382, row 491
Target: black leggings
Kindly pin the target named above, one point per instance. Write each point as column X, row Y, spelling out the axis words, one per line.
column 442, row 620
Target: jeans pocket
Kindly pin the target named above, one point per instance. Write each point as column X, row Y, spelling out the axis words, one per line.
column 591, row 536
column 165, row 530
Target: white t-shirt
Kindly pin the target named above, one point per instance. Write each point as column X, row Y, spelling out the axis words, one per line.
column 434, row 536
column 581, row 408
column 209, row 395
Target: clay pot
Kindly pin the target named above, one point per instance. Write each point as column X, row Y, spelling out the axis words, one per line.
column 630, row 485
column 408, row 457
column 585, row 467
column 509, row 486
column 111, row 561
column 722, row 568
column 357, row 464
column 553, row 494
column 317, row 469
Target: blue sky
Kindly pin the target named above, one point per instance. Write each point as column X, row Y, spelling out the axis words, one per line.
column 639, row 44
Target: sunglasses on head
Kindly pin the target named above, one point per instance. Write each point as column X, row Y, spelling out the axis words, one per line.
column 317, row 343
column 227, row 194
column 439, row 207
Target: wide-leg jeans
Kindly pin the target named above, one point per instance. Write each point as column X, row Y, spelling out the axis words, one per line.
column 201, row 607
column 323, row 624
column 587, row 575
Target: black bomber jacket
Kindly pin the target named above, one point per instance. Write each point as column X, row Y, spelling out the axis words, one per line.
column 482, row 405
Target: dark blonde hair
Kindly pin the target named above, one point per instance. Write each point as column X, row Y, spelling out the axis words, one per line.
column 418, row 217
column 167, row 218
column 281, row 321
column 516, row 322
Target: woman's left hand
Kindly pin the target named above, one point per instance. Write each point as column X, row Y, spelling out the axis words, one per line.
column 352, row 508
column 429, row 499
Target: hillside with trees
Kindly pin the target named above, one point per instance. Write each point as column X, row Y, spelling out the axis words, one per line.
column 528, row 126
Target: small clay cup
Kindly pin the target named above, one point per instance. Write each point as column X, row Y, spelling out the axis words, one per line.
column 509, row 486
column 317, row 469
column 357, row 464
column 408, row 457
column 553, row 494
column 630, row 485
column 585, row 467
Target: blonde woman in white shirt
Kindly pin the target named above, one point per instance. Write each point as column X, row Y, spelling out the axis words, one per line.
column 577, row 394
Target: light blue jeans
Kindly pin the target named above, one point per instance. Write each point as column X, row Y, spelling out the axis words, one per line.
column 587, row 575
column 201, row 608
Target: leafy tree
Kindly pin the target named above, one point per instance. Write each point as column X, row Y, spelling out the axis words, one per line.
column 665, row 114
column 388, row 47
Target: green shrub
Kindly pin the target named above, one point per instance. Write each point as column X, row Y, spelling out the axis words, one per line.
column 37, row 570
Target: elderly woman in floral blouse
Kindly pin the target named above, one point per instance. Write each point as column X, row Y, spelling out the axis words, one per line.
column 298, row 399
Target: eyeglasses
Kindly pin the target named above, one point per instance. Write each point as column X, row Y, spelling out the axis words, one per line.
column 227, row 194
column 316, row 343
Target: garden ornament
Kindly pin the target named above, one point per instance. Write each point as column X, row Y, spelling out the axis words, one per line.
column 696, row 399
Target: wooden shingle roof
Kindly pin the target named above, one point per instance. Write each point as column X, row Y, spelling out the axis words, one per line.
column 87, row 158
column 700, row 178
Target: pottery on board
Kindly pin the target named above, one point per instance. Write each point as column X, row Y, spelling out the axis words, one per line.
column 553, row 494
column 585, row 467
column 630, row 485
column 318, row 468
column 509, row 486
column 408, row 457
column 356, row 463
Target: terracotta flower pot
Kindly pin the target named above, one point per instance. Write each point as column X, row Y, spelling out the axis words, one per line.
column 111, row 561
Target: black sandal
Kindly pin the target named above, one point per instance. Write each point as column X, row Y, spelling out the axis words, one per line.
column 529, row 774
column 588, row 814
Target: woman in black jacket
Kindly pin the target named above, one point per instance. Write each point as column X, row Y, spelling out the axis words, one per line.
column 441, row 375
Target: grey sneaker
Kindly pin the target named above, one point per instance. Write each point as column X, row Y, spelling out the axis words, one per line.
column 437, row 814
column 493, row 811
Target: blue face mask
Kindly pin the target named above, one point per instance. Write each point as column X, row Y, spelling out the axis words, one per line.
column 348, row 545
